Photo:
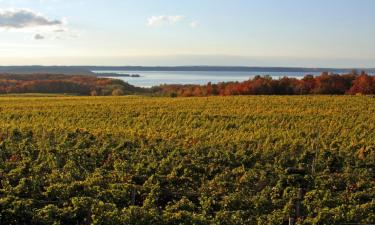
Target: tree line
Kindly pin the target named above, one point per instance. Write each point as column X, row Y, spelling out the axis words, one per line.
column 326, row 84
column 49, row 83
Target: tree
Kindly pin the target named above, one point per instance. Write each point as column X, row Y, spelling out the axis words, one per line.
column 364, row 84
column 117, row 92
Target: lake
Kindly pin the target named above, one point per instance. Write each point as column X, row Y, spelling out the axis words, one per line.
column 154, row 78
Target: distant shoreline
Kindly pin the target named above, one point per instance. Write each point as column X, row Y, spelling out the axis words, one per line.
column 225, row 69
column 116, row 75
column 87, row 70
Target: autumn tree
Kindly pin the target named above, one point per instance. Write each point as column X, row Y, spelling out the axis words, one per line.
column 363, row 84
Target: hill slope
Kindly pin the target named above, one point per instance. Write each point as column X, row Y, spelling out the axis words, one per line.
column 143, row 160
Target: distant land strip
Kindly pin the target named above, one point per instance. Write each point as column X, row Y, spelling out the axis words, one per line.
column 87, row 70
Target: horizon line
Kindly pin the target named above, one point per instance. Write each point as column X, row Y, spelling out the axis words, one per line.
column 192, row 66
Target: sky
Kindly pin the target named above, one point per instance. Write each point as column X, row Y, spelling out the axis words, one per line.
column 300, row 33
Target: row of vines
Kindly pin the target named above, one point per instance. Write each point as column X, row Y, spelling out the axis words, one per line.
column 216, row 160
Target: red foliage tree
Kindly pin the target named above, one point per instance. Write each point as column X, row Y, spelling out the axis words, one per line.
column 324, row 84
column 363, row 84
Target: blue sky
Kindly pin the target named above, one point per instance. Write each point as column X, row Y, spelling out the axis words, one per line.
column 319, row 33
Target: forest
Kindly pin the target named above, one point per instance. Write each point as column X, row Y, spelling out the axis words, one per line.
column 325, row 84
column 72, row 84
column 214, row 160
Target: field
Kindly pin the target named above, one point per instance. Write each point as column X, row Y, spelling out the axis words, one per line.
column 209, row 160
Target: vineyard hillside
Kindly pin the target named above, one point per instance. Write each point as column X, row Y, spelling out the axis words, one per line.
column 208, row 160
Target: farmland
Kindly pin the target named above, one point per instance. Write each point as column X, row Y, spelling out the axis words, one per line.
column 208, row 160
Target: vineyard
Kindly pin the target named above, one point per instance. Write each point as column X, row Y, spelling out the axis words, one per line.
column 209, row 160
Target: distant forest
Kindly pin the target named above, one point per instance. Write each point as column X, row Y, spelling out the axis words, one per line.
column 80, row 85
column 325, row 84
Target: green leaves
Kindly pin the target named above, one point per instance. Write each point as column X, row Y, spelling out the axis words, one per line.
column 138, row 160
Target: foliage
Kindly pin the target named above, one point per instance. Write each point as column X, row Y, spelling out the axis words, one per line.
column 216, row 160
column 332, row 84
column 83, row 85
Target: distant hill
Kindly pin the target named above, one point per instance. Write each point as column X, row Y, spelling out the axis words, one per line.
column 62, row 83
column 68, row 70
column 87, row 70
column 227, row 68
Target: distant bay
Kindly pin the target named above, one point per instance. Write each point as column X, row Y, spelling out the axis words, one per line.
column 155, row 78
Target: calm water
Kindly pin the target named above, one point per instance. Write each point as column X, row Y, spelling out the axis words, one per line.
column 154, row 78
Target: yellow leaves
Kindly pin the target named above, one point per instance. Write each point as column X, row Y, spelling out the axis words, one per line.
column 221, row 153
column 362, row 152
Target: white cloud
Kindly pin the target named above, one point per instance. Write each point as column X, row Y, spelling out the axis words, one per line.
column 38, row 37
column 59, row 30
column 35, row 24
column 22, row 18
column 164, row 20
column 194, row 24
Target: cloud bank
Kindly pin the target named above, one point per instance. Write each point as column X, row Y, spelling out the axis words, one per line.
column 38, row 37
column 164, row 20
column 22, row 18
column 194, row 24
